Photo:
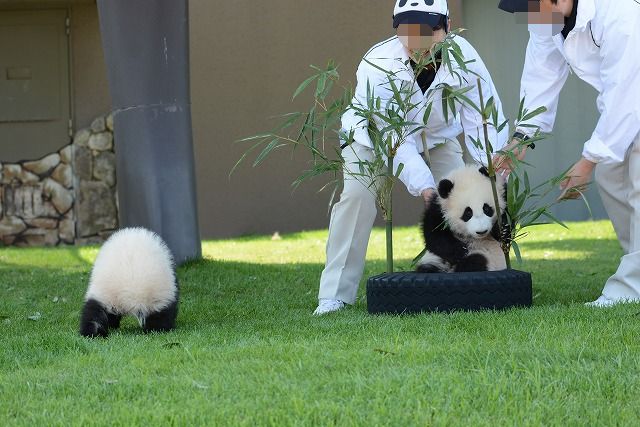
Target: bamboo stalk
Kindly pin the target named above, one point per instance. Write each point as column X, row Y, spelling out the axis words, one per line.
column 425, row 148
column 389, row 218
column 492, row 172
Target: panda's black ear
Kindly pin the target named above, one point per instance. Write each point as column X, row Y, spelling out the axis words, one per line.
column 444, row 188
column 483, row 170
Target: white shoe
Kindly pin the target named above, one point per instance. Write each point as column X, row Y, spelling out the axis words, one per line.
column 604, row 302
column 601, row 302
column 326, row 305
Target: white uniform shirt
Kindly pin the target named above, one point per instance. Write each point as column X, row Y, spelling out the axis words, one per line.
column 390, row 55
column 603, row 50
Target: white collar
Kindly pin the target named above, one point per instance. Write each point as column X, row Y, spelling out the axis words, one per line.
column 399, row 62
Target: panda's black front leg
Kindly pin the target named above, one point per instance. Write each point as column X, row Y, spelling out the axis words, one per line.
column 473, row 262
column 94, row 321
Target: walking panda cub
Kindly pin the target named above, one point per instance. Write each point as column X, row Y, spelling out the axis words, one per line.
column 133, row 274
column 460, row 225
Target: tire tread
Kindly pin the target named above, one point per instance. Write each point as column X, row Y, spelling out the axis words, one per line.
column 411, row 292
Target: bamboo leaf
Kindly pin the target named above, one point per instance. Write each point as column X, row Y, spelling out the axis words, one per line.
column 503, row 125
column 554, row 219
column 273, row 145
column 253, row 138
column 303, row 86
column 469, row 103
column 322, row 82
column 488, row 107
column 521, row 110
column 534, row 113
column 427, row 113
column 476, row 142
column 516, row 251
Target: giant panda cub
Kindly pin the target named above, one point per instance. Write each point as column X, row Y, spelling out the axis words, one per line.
column 460, row 225
column 133, row 274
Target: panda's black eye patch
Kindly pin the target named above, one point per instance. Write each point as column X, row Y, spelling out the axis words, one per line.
column 467, row 215
column 488, row 210
column 403, row 3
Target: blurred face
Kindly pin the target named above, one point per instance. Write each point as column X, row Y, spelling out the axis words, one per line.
column 546, row 12
column 419, row 38
column 546, row 18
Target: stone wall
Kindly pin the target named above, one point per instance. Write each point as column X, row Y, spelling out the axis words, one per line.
column 68, row 197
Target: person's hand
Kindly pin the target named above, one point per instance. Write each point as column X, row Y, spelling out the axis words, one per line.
column 577, row 180
column 503, row 163
column 428, row 195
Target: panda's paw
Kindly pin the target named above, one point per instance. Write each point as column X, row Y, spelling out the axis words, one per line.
column 473, row 262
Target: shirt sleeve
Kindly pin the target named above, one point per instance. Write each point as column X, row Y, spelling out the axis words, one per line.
column 619, row 122
column 545, row 73
column 415, row 174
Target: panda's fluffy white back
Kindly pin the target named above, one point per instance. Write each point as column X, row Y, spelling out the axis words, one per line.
column 133, row 273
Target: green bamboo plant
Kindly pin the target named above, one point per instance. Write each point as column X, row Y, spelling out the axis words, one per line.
column 527, row 206
column 390, row 122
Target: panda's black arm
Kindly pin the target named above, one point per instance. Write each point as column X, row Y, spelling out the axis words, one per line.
column 438, row 237
column 445, row 245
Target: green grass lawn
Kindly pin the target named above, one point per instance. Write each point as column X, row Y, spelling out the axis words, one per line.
column 248, row 352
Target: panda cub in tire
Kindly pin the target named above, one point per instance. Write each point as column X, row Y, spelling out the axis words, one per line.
column 460, row 225
column 134, row 274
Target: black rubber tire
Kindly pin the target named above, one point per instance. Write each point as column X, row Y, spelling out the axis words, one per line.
column 411, row 292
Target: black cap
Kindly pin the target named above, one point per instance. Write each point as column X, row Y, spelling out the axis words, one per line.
column 513, row 6
column 418, row 17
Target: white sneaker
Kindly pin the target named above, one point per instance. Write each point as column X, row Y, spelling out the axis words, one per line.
column 601, row 302
column 326, row 305
column 604, row 302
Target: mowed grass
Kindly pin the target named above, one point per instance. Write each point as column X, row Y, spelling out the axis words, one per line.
column 248, row 352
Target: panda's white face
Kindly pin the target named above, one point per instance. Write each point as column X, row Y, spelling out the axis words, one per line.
column 476, row 221
column 418, row 5
column 466, row 198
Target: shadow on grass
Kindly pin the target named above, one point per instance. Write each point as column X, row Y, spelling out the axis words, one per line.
column 236, row 294
column 244, row 287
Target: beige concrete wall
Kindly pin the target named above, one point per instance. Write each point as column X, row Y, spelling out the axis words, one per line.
column 246, row 61
column 247, row 57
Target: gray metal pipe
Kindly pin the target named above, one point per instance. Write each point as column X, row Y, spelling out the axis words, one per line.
column 146, row 46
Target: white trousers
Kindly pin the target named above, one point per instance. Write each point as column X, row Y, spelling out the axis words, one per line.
column 619, row 186
column 353, row 216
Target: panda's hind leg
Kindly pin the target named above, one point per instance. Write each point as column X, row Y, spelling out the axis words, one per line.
column 163, row 320
column 114, row 320
column 432, row 263
column 472, row 262
column 429, row 268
